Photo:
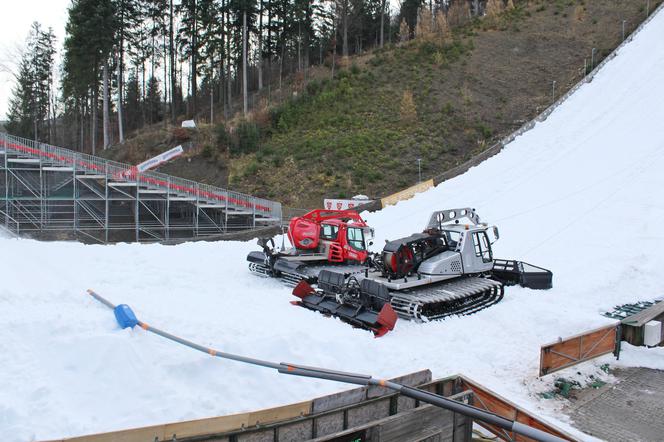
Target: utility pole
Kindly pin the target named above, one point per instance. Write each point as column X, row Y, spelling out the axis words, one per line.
column 244, row 61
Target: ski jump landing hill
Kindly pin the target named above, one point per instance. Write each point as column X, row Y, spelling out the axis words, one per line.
column 45, row 188
column 578, row 194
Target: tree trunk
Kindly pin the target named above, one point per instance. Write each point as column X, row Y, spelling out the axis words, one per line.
column 93, row 122
column 260, row 47
column 269, row 41
column 194, row 62
column 172, row 57
column 244, row 62
column 107, row 118
column 344, row 25
column 228, row 66
column 120, row 86
column 382, row 22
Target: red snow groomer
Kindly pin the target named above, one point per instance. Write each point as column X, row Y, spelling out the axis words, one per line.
column 320, row 239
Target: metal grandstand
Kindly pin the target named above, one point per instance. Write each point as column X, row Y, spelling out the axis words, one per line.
column 44, row 189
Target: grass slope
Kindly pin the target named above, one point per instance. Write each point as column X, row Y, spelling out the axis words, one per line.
column 360, row 133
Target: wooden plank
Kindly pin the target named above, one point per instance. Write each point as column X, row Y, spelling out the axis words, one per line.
column 202, row 427
column 578, row 348
column 640, row 319
column 130, row 435
column 277, row 414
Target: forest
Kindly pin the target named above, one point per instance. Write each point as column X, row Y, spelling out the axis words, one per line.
column 131, row 63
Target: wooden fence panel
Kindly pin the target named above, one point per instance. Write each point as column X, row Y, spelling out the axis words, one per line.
column 488, row 400
column 579, row 348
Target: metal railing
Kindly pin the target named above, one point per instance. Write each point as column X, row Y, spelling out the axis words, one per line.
column 10, row 224
column 201, row 193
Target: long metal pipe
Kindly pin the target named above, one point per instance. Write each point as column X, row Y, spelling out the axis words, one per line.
column 358, row 379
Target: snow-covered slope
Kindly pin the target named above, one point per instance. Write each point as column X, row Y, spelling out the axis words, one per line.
column 579, row 194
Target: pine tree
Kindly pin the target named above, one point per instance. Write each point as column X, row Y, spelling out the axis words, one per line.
column 91, row 31
column 30, row 107
column 153, row 101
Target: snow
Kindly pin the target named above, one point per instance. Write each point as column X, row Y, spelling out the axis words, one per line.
column 578, row 194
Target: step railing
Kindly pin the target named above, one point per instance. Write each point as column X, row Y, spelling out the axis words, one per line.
column 10, row 224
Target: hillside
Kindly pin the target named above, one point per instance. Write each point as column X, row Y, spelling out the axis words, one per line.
column 360, row 133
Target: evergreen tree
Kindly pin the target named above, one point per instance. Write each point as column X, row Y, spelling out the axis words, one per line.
column 153, row 101
column 91, row 31
column 30, row 107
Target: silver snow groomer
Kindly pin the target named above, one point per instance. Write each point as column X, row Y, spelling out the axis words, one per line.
column 449, row 269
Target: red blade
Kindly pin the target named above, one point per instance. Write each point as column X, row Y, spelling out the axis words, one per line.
column 387, row 318
column 303, row 289
column 381, row 332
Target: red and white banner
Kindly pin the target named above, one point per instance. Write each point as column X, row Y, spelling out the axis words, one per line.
column 333, row 204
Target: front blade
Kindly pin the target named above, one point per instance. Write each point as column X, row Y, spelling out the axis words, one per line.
column 387, row 318
column 303, row 289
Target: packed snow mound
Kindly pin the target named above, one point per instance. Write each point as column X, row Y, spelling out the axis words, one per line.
column 578, row 194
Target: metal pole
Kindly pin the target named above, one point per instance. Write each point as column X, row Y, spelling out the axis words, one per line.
column 75, row 194
column 592, row 59
column 357, row 379
column 137, row 208
column 419, row 169
column 623, row 30
column 106, row 203
column 553, row 91
column 168, row 209
column 648, row 8
column 585, row 67
column 6, row 145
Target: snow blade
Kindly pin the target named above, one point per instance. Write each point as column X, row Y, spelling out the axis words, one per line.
column 303, row 289
column 387, row 318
